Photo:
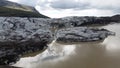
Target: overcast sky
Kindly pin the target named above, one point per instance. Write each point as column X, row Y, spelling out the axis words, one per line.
column 62, row 8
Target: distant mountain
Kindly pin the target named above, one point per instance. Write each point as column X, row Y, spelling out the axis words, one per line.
column 11, row 9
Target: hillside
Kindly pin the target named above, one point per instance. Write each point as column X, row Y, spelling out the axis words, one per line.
column 11, row 9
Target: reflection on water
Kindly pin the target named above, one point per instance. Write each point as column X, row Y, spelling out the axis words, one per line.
column 54, row 53
column 88, row 55
column 112, row 43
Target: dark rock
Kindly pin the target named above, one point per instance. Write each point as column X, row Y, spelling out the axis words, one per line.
column 19, row 36
column 115, row 18
column 76, row 21
column 82, row 34
column 8, row 67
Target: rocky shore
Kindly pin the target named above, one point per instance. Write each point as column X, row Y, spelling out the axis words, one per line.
column 8, row 67
column 19, row 36
column 82, row 34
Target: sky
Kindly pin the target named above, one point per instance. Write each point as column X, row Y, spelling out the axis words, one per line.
column 63, row 8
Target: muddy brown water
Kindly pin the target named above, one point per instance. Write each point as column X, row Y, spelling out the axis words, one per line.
column 104, row 54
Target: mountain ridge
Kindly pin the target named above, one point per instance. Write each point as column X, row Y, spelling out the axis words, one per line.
column 12, row 9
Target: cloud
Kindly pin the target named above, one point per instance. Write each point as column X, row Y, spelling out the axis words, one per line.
column 60, row 8
column 69, row 4
column 14, row 0
column 27, row 2
column 73, row 4
column 54, row 13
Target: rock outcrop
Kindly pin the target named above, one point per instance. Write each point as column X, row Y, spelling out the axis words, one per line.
column 76, row 21
column 82, row 34
column 19, row 36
